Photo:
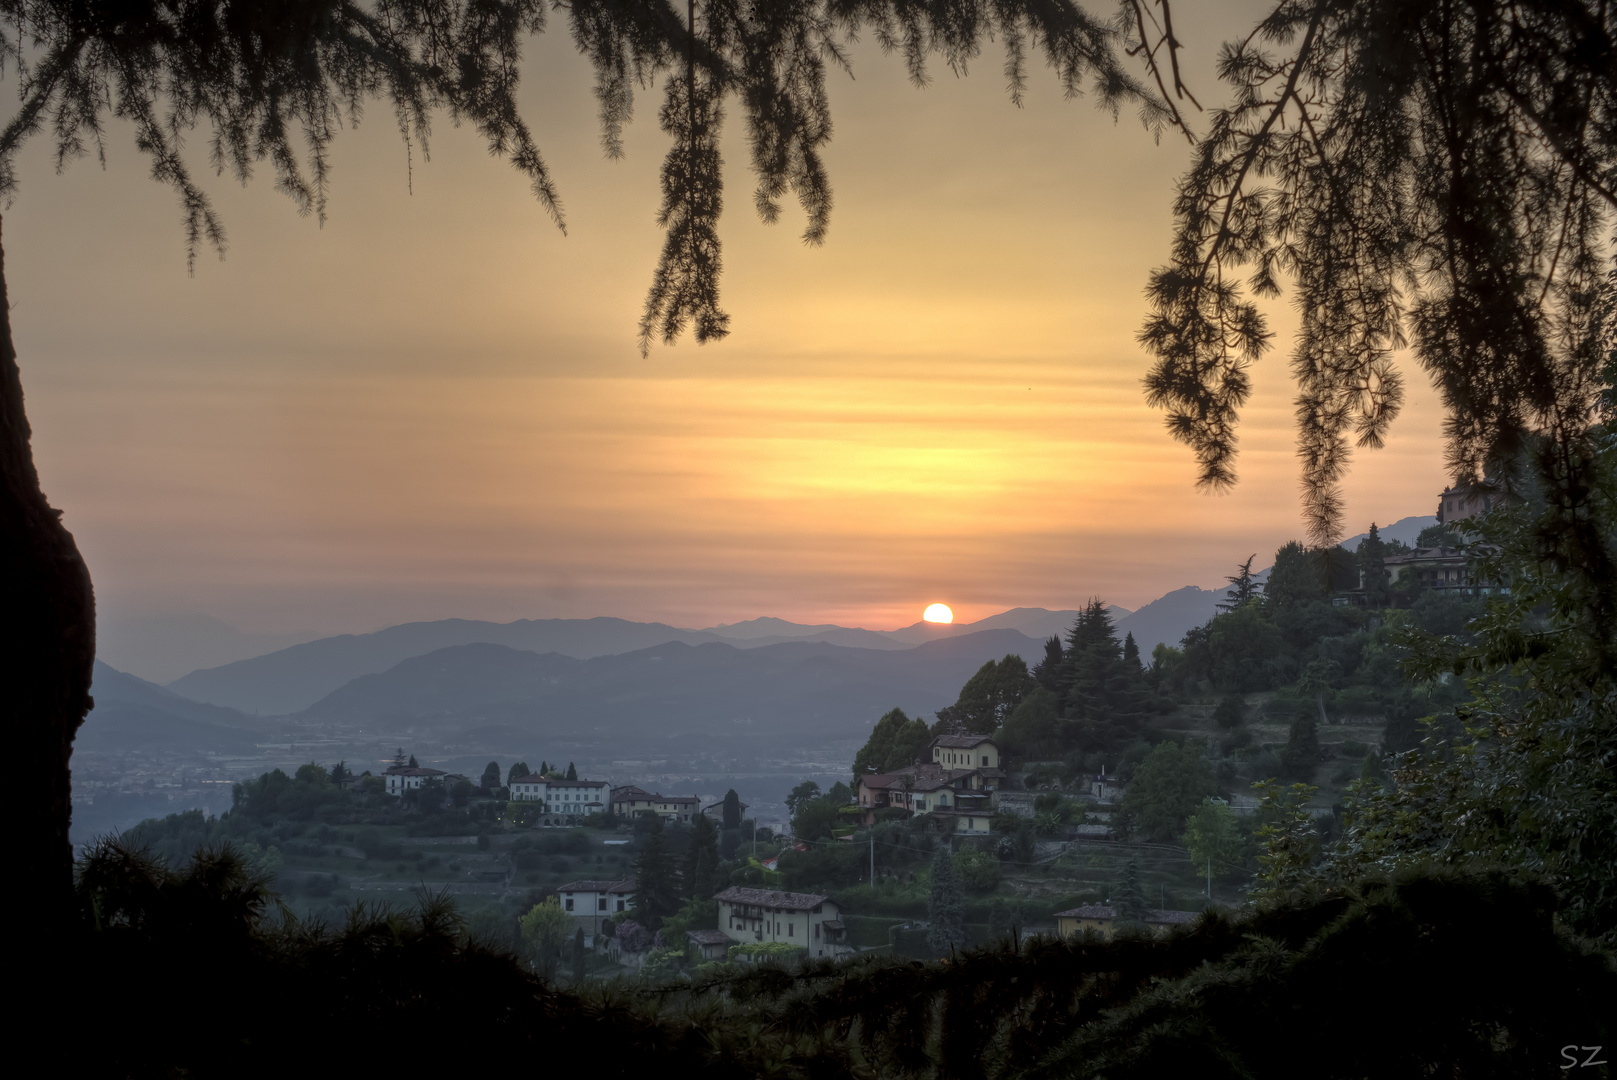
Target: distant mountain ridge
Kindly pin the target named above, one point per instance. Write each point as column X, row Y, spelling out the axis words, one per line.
column 292, row 679
column 131, row 713
column 671, row 691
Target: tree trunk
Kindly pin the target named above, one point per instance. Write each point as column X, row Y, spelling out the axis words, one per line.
column 49, row 607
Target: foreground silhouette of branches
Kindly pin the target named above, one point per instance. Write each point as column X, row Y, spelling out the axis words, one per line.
column 1424, row 974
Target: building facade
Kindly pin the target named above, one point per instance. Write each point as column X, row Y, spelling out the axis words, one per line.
column 806, row 919
column 592, row 902
column 958, row 782
column 1102, row 919
column 402, row 778
column 630, row 801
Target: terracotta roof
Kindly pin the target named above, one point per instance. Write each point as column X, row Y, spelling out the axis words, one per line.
column 961, row 742
column 793, row 901
column 834, row 924
column 629, row 791
column 532, row 778
column 708, row 937
column 624, row 886
column 576, row 783
column 1088, row 911
column 396, row 771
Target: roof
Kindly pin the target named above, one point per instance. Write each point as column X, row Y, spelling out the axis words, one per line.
column 720, row 806
column 576, row 783
column 791, row 901
column 708, row 937
column 1178, row 918
column 962, row 742
column 532, row 778
column 396, row 771
column 588, row 885
column 833, row 924
column 629, row 791
column 624, row 886
column 1107, row 911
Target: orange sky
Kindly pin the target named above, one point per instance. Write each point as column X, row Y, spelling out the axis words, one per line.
column 435, row 407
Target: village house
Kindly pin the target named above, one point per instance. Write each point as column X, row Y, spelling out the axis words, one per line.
column 1103, row 918
column 806, row 919
column 709, row 944
column 630, row 801
column 567, row 801
column 591, row 902
column 402, row 778
column 1457, row 504
column 959, row 784
column 530, row 788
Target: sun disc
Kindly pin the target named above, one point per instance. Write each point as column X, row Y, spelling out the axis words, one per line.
column 939, row 613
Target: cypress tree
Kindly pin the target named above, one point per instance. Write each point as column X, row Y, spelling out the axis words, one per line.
column 946, row 907
column 732, row 809
column 580, row 965
column 1132, row 907
column 1301, row 755
column 1131, row 651
column 701, row 859
column 656, row 892
column 519, row 769
column 491, row 776
column 572, row 773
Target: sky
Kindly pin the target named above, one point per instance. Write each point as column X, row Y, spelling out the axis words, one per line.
column 434, row 405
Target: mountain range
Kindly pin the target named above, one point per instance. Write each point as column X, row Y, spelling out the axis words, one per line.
column 293, row 679
column 490, row 694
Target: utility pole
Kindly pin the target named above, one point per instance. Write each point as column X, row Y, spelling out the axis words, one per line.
column 873, row 858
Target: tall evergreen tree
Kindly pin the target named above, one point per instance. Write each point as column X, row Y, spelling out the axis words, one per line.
column 491, row 776
column 580, row 962
column 1131, row 651
column 732, row 809
column 1301, row 755
column 946, row 905
column 1242, row 587
column 656, row 886
column 519, row 769
column 701, row 859
column 413, row 763
column 1048, row 670
column 1373, row 576
column 572, row 773
column 1132, row 906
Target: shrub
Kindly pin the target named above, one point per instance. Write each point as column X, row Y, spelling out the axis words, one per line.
column 978, row 870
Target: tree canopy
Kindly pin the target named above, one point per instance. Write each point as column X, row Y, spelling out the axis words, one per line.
column 1437, row 175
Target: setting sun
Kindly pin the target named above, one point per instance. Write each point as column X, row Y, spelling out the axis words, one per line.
column 939, row 613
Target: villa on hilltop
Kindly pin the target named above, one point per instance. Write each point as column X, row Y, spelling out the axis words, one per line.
column 958, row 785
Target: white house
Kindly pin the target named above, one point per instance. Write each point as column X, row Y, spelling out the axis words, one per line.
column 530, row 788
column 402, row 778
column 592, row 901
column 806, row 919
column 571, row 799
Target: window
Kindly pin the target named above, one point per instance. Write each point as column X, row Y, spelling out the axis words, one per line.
column 620, row 905
column 569, row 903
column 791, row 929
column 816, row 931
column 600, row 904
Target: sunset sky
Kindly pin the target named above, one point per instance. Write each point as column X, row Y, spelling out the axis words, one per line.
column 435, row 406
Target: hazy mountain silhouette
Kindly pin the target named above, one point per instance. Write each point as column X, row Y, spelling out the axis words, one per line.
column 799, row 690
column 131, row 713
column 1166, row 619
column 293, row 679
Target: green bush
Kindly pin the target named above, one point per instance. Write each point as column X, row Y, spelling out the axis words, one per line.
column 978, row 870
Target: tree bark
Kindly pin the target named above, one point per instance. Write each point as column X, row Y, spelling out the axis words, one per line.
column 49, row 607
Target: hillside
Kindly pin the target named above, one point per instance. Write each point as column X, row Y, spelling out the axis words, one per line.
column 668, row 692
